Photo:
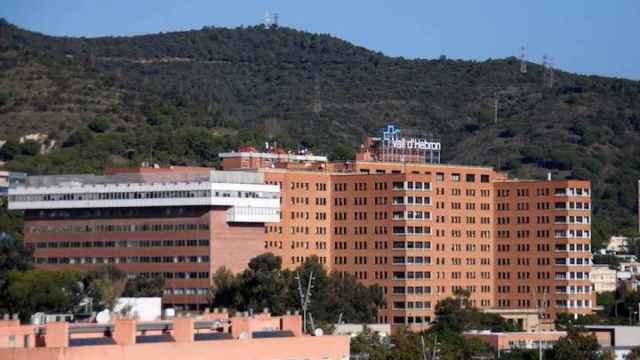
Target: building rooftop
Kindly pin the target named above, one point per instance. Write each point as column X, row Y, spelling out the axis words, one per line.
column 82, row 180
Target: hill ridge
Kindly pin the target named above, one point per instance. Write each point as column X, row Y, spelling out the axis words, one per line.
column 248, row 85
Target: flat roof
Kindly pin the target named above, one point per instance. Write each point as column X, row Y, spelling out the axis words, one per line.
column 213, row 176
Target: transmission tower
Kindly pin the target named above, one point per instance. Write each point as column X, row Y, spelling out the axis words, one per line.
column 523, row 60
column 547, row 63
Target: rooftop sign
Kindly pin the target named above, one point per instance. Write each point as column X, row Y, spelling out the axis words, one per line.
column 410, row 147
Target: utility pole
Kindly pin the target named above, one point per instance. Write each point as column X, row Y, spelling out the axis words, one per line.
column 496, row 103
column 305, row 298
column 540, row 317
column 435, row 348
column 424, row 348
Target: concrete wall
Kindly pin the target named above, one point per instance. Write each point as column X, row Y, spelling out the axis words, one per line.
column 307, row 347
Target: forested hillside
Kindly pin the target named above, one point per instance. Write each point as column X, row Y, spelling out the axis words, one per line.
column 180, row 98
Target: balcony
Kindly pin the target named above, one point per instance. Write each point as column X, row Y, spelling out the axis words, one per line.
column 253, row 214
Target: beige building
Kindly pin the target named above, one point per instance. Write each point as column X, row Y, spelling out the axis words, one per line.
column 603, row 278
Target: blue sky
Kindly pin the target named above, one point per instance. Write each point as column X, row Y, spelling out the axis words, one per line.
column 583, row 36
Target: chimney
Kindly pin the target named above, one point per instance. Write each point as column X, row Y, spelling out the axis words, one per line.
column 183, row 330
column 57, row 335
column 549, row 176
column 124, row 332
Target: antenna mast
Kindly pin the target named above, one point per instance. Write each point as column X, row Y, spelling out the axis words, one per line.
column 523, row 60
column 304, row 298
column 270, row 20
column 547, row 63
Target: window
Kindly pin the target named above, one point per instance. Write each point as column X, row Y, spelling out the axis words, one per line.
column 455, row 177
column 484, row 178
column 470, row 178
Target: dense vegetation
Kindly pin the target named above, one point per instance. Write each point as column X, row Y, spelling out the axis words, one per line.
column 445, row 341
column 264, row 284
column 25, row 290
column 179, row 98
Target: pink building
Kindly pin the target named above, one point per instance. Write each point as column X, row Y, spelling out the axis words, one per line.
column 212, row 335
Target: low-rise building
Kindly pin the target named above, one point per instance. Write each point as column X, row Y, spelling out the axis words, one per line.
column 633, row 267
column 213, row 336
column 505, row 341
column 620, row 339
column 10, row 179
column 603, row 278
column 353, row 330
column 617, row 244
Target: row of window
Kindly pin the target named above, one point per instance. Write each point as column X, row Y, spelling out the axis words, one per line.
column 411, row 230
column 99, row 228
column 185, row 291
column 402, row 305
column 140, row 195
column 90, row 260
column 119, row 244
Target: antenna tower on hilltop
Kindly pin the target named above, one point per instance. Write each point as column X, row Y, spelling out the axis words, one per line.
column 523, row 60
column 270, row 20
column 547, row 63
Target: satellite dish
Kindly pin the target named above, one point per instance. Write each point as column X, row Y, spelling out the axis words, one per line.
column 244, row 335
column 103, row 317
column 38, row 318
column 169, row 312
column 318, row 332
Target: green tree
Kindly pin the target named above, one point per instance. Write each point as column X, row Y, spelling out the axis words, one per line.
column 30, row 148
column 100, row 124
column 144, row 287
column 224, row 290
column 78, row 137
column 634, row 354
column 9, row 150
column 38, row 290
column 407, row 345
column 104, row 286
column 14, row 256
column 577, row 346
column 320, row 297
column 342, row 152
column 263, row 285
column 369, row 343
column 356, row 302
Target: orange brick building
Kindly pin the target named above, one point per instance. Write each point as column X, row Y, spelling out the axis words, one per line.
column 422, row 230
column 395, row 217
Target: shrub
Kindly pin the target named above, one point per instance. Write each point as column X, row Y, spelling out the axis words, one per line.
column 100, row 124
column 77, row 137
